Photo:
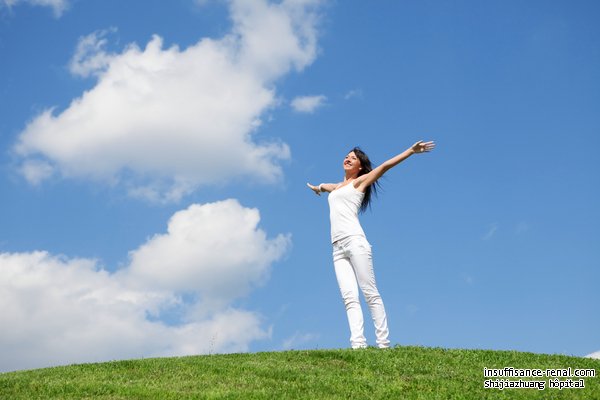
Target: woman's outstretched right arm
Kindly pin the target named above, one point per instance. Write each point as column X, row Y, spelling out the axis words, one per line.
column 323, row 187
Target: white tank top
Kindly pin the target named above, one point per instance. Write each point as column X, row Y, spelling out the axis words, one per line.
column 344, row 204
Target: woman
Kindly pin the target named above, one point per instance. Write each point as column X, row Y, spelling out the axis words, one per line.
column 351, row 251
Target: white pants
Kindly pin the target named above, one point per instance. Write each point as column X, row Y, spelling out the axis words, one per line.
column 353, row 269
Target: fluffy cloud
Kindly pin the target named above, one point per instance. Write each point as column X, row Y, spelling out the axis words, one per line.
column 58, row 310
column 298, row 340
column 595, row 354
column 490, row 232
column 58, row 6
column 354, row 93
column 165, row 121
column 90, row 57
column 220, row 240
column 308, row 104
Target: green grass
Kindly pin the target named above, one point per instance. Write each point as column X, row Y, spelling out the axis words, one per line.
column 398, row 373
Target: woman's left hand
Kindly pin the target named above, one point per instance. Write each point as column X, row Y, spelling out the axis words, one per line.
column 422, row 147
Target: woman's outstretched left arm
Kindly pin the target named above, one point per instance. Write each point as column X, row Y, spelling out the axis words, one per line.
column 364, row 181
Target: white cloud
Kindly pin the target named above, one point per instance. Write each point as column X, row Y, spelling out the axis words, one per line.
column 163, row 122
column 490, row 232
column 219, row 239
column 36, row 171
column 353, row 93
column 595, row 354
column 90, row 57
column 58, row 6
column 58, row 310
column 308, row 104
column 298, row 339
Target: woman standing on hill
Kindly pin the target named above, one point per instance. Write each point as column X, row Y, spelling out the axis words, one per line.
column 351, row 251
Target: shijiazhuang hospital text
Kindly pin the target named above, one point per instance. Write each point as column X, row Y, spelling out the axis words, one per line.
column 555, row 383
column 502, row 384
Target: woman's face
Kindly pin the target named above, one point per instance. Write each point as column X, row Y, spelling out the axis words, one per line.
column 352, row 163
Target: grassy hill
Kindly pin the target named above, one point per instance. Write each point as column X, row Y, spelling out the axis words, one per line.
column 398, row 373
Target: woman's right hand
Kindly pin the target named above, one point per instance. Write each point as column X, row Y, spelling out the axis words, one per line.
column 314, row 189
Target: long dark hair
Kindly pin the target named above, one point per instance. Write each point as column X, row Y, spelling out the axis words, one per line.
column 367, row 167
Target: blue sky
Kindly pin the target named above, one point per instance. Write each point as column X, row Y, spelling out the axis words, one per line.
column 155, row 154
